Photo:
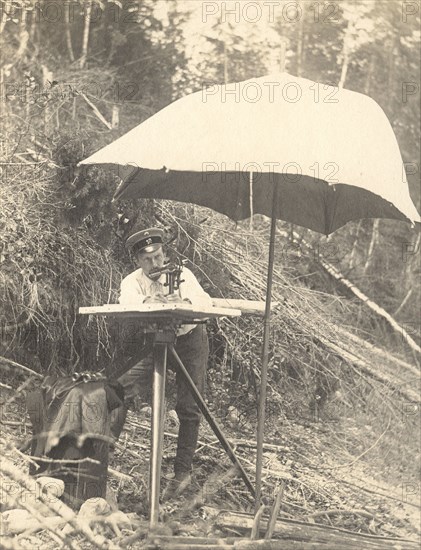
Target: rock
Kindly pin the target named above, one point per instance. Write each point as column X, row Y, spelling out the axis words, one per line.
column 233, row 416
column 121, row 519
column 172, row 418
column 147, row 411
column 51, row 485
column 14, row 521
column 17, row 514
column 94, row 507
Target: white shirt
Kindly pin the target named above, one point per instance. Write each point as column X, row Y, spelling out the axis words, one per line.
column 137, row 286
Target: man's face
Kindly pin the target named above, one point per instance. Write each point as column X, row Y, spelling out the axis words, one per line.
column 149, row 261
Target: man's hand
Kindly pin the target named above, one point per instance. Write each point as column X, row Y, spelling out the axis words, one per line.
column 156, row 299
column 174, row 298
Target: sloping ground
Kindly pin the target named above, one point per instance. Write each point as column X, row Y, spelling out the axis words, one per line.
column 318, row 473
column 324, row 482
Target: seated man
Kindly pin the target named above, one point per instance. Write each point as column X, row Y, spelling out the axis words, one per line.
column 192, row 346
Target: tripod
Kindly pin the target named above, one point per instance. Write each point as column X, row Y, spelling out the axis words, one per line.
column 163, row 345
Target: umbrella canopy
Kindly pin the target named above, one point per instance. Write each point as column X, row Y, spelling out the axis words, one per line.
column 331, row 151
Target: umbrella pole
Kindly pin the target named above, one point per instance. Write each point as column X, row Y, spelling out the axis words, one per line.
column 265, row 352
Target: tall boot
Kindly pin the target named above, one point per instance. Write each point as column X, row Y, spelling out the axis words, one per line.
column 188, row 435
column 117, row 420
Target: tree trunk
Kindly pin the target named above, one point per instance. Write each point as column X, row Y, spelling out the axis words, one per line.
column 85, row 39
column 115, row 118
column 225, row 62
column 300, row 40
column 23, row 35
column 345, row 65
column 379, row 352
column 68, row 34
column 391, row 73
column 412, row 264
column 283, row 55
column 345, row 54
column 353, row 255
column 375, row 230
column 367, row 86
column 404, row 302
column 47, row 78
column 3, row 20
column 374, row 240
column 372, row 305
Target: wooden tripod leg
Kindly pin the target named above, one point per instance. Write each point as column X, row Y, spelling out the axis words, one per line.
column 157, row 435
column 212, row 422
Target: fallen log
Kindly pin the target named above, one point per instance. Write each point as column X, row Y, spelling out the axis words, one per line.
column 230, row 543
column 14, row 526
column 186, row 546
column 381, row 353
column 301, row 545
column 299, row 535
column 188, row 543
column 21, row 367
column 383, row 377
column 338, row 276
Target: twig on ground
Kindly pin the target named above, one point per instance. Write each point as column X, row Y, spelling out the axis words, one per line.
column 256, row 522
column 120, row 475
column 362, row 513
column 274, row 512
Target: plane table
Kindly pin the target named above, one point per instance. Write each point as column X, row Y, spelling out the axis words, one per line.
column 164, row 320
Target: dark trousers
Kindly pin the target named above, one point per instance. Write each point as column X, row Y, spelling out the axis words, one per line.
column 193, row 350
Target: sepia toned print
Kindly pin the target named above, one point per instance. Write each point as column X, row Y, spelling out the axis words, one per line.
column 210, row 256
